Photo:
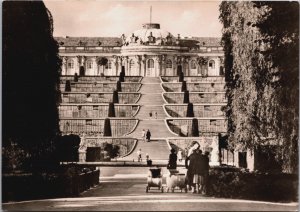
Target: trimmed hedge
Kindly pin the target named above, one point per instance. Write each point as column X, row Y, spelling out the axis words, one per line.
column 67, row 181
column 234, row 183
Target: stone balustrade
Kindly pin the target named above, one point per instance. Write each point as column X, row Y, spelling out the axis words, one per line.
column 197, row 79
column 200, row 110
column 96, row 110
column 100, row 78
column 119, row 127
column 195, row 97
column 183, row 126
column 101, row 87
column 103, row 97
column 194, row 87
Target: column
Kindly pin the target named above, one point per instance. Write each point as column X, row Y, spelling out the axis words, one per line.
column 174, row 65
column 250, row 160
column 157, row 65
column 126, row 66
column 94, row 62
column 82, row 149
column 115, row 65
column 119, row 65
column 163, row 65
column 143, row 66
column 137, row 65
column 64, row 66
column 77, row 64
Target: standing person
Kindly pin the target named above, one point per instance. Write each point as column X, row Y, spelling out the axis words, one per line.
column 172, row 164
column 179, row 155
column 148, row 135
column 143, row 135
column 147, row 156
column 139, row 155
column 150, row 114
column 155, row 114
column 188, row 165
column 198, row 168
column 205, row 172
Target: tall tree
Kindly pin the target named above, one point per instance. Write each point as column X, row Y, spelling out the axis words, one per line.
column 31, row 67
column 261, row 71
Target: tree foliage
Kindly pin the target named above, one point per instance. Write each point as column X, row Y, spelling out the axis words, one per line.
column 31, row 67
column 261, row 44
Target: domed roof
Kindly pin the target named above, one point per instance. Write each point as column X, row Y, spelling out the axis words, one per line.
column 145, row 35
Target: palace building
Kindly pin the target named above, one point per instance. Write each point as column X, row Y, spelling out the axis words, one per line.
column 148, row 52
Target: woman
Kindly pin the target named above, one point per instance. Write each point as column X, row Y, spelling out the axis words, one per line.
column 172, row 160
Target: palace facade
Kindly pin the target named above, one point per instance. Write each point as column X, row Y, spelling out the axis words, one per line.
column 149, row 51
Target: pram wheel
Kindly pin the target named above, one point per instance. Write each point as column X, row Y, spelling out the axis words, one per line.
column 147, row 188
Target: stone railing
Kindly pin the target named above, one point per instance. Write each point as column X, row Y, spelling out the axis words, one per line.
column 200, row 110
column 119, row 127
column 183, row 126
column 126, row 145
column 103, row 97
column 195, row 97
column 196, row 79
column 96, row 110
column 101, row 87
column 194, row 87
column 100, row 78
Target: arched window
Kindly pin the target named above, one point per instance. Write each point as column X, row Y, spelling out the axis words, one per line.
column 89, row 64
column 108, row 65
column 150, row 63
column 70, row 64
column 169, row 64
column 131, row 64
column 211, row 64
column 193, row 64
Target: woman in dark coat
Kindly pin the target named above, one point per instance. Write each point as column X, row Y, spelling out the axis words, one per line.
column 172, row 160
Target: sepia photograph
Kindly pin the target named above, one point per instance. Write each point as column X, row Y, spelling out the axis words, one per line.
column 142, row 105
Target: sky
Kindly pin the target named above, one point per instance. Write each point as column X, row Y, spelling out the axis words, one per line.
column 92, row 18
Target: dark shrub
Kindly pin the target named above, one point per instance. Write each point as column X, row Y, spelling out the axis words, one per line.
column 195, row 128
column 107, row 128
column 111, row 110
column 186, row 97
column 181, row 77
column 68, row 86
column 75, row 77
column 119, row 86
column 67, row 148
column 112, row 150
column 81, row 71
column 179, row 70
column 190, row 110
column 183, row 86
column 115, row 97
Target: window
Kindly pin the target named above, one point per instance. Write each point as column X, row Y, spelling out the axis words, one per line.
column 169, row 64
column 150, row 63
column 193, row 64
column 70, row 64
column 131, row 64
column 211, row 64
column 108, row 65
column 89, row 64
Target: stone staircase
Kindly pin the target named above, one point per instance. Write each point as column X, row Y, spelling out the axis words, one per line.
column 157, row 150
column 151, row 101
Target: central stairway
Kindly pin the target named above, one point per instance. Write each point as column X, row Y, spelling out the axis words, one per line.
column 151, row 101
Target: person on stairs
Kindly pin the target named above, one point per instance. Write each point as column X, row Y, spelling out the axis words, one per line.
column 139, row 155
column 143, row 135
column 148, row 135
column 172, row 160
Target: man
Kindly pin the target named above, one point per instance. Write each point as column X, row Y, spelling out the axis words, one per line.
column 143, row 135
column 148, row 135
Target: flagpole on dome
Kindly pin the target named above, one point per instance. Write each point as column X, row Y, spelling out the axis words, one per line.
column 150, row 14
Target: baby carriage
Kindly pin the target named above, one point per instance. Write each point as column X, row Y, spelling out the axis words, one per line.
column 154, row 179
column 176, row 180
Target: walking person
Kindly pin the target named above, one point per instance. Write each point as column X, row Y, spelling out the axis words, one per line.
column 172, row 164
column 139, row 155
column 148, row 135
column 143, row 135
column 155, row 115
column 189, row 164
